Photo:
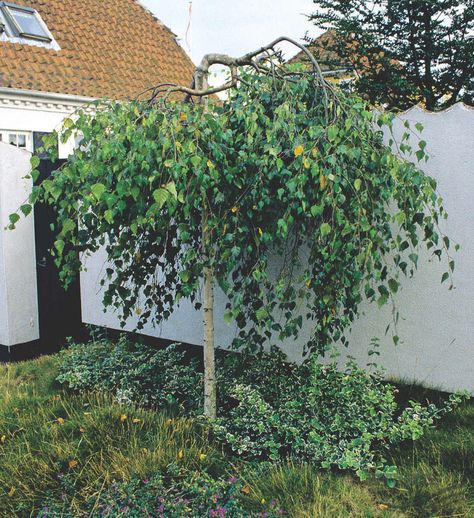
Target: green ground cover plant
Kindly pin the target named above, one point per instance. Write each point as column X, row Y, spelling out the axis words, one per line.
column 268, row 408
column 434, row 478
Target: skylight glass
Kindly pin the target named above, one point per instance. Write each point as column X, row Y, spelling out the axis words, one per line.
column 24, row 22
column 28, row 23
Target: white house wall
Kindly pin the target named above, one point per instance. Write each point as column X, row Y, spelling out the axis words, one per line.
column 38, row 112
column 436, row 325
column 18, row 288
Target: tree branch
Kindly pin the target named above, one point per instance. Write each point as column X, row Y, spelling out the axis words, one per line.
column 252, row 59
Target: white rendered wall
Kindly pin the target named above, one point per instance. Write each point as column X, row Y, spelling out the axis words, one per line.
column 437, row 325
column 18, row 288
column 38, row 112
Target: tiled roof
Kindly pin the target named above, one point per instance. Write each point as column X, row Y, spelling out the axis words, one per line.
column 321, row 48
column 109, row 48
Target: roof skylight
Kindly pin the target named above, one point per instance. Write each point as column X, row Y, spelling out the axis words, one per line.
column 23, row 22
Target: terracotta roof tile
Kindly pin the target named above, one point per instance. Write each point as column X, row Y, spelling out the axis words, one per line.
column 109, row 48
column 321, row 48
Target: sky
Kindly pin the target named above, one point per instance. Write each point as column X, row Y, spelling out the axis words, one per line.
column 233, row 27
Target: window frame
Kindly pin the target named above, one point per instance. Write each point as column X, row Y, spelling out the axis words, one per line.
column 6, row 9
column 5, row 134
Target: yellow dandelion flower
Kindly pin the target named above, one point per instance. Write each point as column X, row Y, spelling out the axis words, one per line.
column 202, row 456
column 299, row 150
column 123, row 418
column 82, row 430
column 234, row 209
column 263, row 501
column 72, row 464
column 136, row 421
column 183, row 117
column 3, row 439
column 180, row 454
column 60, row 420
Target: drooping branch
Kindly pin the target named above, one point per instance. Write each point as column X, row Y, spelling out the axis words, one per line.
column 255, row 59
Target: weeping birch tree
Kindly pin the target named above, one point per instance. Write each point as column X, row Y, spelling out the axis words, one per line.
column 187, row 193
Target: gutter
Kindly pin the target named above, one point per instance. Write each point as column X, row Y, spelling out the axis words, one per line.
column 41, row 96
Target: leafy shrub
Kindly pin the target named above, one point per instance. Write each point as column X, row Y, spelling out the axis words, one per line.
column 269, row 409
column 325, row 416
column 134, row 373
column 172, row 495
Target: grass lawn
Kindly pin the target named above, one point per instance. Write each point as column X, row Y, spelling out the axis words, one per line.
column 47, row 435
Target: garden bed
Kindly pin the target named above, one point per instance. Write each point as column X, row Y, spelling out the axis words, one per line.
column 64, row 454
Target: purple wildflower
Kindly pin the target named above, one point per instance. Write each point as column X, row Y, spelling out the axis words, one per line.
column 219, row 512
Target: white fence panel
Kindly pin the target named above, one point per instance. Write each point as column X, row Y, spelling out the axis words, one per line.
column 18, row 286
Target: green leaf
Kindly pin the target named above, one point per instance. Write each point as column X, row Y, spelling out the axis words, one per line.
column 325, row 229
column 228, row 318
column 26, row 209
column 98, row 190
column 68, row 225
column 171, row 188
column 445, row 277
column 420, row 155
column 316, row 210
column 109, row 216
column 393, row 285
column 196, row 160
column 161, row 196
column 333, row 131
column 35, row 162
column 14, row 218
column 357, row 184
column 185, row 275
column 59, row 245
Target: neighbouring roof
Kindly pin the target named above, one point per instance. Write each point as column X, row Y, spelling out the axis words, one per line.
column 321, row 48
column 108, row 48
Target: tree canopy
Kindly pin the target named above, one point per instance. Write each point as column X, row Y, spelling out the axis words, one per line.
column 284, row 196
column 407, row 51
